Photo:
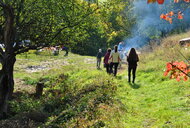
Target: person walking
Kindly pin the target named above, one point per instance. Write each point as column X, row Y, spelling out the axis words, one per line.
column 120, row 50
column 115, row 59
column 99, row 58
column 66, row 50
column 132, row 60
column 106, row 59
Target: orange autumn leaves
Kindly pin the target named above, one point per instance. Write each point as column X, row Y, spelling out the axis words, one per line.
column 169, row 16
column 177, row 70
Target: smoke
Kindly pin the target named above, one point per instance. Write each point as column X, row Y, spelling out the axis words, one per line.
column 149, row 26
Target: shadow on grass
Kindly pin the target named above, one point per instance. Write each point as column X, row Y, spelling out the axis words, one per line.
column 99, row 69
column 134, row 85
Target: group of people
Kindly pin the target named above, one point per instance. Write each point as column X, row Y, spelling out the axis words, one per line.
column 113, row 59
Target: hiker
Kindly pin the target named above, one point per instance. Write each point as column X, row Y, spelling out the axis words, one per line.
column 66, row 50
column 132, row 60
column 120, row 50
column 99, row 57
column 115, row 60
column 55, row 51
column 106, row 58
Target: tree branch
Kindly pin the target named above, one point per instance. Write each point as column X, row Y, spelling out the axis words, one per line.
column 2, row 4
column 76, row 24
column 184, row 57
column 180, row 70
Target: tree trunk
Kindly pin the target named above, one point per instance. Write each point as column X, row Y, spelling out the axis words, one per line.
column 6, row 83
column 39, row 89
column 7, row 60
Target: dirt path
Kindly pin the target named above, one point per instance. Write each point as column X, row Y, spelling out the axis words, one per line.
column 20, row 86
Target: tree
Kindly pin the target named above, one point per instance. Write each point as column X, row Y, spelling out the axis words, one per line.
column 32, row 24
column 105, row 28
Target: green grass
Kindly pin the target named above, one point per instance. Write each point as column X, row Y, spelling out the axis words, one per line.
column 154, row 101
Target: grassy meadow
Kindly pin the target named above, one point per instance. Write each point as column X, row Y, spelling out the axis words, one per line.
column 76, row 94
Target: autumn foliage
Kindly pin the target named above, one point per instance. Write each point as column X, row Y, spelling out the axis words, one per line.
column 162, row 1
column 177, row 70
column 169, row 16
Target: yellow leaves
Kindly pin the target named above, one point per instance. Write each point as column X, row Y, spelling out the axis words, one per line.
column 113, row 33
column 93, row 5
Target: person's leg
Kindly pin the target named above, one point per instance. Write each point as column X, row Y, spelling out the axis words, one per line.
column 115, row 68
column 134, row 73
column 100, row 62
column 67, row 52
column 129, row 74
column 97, row 63
column 107, row 68
column 111, row 68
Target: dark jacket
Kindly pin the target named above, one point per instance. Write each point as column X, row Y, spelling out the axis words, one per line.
column 99, row 55
column 133, row 61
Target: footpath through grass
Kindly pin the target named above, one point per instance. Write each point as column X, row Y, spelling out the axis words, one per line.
column 76, row 94
column 154, row 100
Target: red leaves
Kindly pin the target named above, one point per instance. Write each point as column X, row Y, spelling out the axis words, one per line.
column 169, row 16
column 162, row 16
column 153, row 1
column 160, row 1
column 171, row 13
column 177, row 70
column 187, row 1
column 180, row 15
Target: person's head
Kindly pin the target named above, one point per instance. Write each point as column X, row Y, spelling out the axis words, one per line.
column 109, row 50
column 115, row 48
column 100, row 50
column 132, row 52
column 120, row 43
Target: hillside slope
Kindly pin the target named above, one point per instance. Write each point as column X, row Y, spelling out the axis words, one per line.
column 76, row 94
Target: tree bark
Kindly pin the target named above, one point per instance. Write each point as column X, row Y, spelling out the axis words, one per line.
column 6, row 84
column 39, row 89
column 7, row 60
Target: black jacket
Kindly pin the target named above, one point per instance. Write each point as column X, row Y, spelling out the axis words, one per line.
column 99, row 55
